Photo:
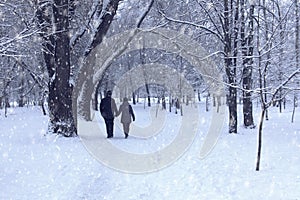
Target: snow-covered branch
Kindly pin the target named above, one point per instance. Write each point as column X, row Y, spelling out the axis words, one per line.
column 192, row 24
column 92, row 20
column 285, row 82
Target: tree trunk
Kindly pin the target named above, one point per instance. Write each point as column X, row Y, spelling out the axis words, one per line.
column 219, row 103
column 21, row 102
column 230, row 70
column 170, row 103
column 232, row 104
column 280, row 95
column 133, row 98
column 60, row 90
column 268, row 46
column 181, row 110
column 6, row 105
column 43, row 108
column 148, row 94
column 1, row 104
column 214, row 101
column 247, row 52
column 207, row 103
column 294, row 107
column 260, row 126
column 163, row 102
column 280, row 64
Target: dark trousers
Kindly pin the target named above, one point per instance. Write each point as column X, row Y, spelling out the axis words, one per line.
column 109, row 127
column 126, row 127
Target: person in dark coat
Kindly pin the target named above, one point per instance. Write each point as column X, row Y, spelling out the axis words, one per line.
column 108, row 110
column 127, row 113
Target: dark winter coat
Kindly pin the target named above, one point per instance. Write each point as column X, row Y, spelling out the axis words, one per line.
column 127, row 113
column 108, row 108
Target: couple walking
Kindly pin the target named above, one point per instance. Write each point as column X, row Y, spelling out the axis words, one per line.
column 109, row 111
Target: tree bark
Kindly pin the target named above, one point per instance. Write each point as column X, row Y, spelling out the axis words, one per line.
column 60, row 89
column 247, row 61
column 230, row 70
column 22, row 88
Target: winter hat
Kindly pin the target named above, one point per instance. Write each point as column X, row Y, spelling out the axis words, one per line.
column 108, row 93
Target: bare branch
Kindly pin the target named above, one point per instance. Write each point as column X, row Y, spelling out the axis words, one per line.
column 192, row 24
column 145, row 14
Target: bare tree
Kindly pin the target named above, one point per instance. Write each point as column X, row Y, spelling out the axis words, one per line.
column 268, row 47
column 222, row 21
column 265, row 106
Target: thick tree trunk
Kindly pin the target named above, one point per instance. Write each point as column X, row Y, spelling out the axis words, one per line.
column 247, row 51
column 60, row 89
column 247, row 110
column 230, row 70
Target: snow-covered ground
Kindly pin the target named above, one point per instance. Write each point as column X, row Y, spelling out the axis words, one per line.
column 38, row 166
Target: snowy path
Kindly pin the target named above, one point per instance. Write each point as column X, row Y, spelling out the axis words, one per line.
column 34, row 166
